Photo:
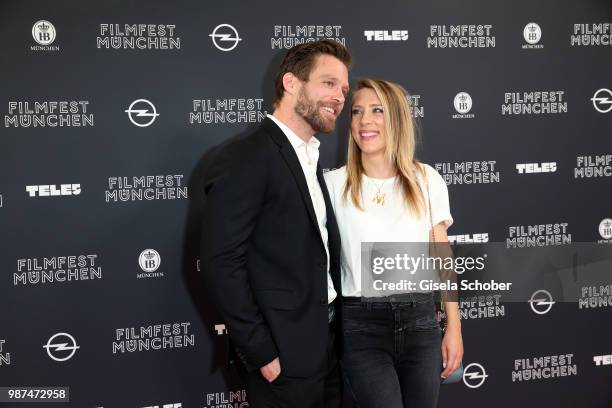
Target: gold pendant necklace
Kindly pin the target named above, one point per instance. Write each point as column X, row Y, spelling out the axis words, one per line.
column 379, row 198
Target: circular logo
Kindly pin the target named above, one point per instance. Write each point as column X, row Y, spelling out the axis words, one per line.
column 532, row 33
column 149, row 260
column 225, row 37
column 602, row 100
column 541, row 301
column 605, row 228
column 474, row 375
column 142, row 113
column 43, row 32
column 61, row 347
column 463, row 102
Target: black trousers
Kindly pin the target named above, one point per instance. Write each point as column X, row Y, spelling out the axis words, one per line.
column 392, row 354
column 321, row 390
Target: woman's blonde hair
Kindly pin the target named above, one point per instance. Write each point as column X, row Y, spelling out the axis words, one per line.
column 400, row 146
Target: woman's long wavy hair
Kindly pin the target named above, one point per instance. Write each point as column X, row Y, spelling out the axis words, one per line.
column 400, row 147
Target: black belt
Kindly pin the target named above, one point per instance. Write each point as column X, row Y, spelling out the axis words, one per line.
column 416, row 297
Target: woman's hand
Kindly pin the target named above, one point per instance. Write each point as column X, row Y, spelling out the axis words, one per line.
column 452, row 350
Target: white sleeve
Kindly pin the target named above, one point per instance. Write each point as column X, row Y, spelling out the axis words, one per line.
column 438, row 193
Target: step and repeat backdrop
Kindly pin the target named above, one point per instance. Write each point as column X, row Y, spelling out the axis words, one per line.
column 110, row 108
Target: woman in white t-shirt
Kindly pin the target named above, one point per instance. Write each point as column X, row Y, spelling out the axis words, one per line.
column 394, row 355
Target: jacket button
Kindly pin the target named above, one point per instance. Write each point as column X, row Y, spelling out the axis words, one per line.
column 324, row 301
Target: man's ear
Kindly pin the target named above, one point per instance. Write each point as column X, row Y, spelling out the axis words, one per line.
column 291, row 83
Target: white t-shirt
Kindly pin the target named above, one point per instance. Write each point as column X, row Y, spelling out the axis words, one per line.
column 391, row 222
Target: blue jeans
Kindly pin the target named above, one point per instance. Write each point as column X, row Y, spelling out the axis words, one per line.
column 392, row 356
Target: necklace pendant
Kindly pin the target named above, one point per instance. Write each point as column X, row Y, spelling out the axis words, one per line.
column 379, row 198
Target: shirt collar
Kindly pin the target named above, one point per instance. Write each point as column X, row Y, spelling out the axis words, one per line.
column 294, row 139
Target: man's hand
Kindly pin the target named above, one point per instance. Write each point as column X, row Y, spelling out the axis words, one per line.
column 271, row 370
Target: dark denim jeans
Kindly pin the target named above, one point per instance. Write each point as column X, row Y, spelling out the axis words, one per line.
column 392, row 355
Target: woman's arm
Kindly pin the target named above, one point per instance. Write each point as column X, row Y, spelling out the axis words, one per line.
column 452, row 343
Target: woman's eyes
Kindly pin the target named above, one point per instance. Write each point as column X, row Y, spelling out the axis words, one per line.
column 360, row 111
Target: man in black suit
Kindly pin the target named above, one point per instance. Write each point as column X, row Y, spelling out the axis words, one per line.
column 271, row 247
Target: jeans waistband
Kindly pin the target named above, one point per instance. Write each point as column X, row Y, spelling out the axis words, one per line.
column 406, row 299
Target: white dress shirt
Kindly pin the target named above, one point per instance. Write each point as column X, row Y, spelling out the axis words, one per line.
column 308, row 155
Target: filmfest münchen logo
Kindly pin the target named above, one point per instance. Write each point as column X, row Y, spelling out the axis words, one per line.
column 593, row 166
column 142, row 113
column 541, row 301
column 539, row 235
column 474, row 375
column 44, row 34
column 481, row 307
column 227, row 110
column 234, row 399
column 591, row 35
column 153, row 337
column 138, row 37
column 414, row 103
column 288, row 36
column 225, row 37
column 469, row 172
column 602, row 100
column 57, row 269
column 534, row 103
column 544, row 367
column 592, row 297
column 61, row 347
column 5, row 357
column 48, row 114
column 461, row 36
column 147, row 188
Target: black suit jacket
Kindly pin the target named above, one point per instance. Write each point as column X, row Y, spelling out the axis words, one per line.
column 263, row 259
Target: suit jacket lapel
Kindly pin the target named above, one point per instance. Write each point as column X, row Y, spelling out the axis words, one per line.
column 333, row 233
column 294, row 165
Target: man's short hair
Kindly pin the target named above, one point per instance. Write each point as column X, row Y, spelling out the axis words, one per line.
column 300, row 59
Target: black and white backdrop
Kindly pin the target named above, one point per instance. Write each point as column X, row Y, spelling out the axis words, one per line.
column 110, row 108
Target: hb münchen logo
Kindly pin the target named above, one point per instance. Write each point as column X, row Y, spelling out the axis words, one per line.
column 43, row 32
column 149, row 260
column 463, row 102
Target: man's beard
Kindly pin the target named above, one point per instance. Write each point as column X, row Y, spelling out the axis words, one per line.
column 310, row 111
